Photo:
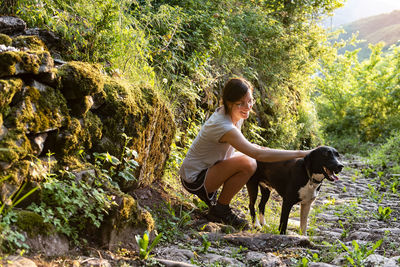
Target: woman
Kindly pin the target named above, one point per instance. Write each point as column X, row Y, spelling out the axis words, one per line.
column 221, row 156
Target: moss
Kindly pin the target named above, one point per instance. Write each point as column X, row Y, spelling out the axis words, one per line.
column 79, row 107
column 79, row 79
column 93, row 128
column 5, row 40
column 12, row 63
column 8, row 88
column 14, row 145
column 31, row 42
column 129, row 213
column 42, row 109
column 33, row 224
column 17, row 173
column 122, row 112
column 70, row 139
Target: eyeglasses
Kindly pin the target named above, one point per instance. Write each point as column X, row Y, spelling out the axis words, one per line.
column 242, row 104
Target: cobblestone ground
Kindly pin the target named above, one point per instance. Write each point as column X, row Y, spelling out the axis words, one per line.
column 354, row 222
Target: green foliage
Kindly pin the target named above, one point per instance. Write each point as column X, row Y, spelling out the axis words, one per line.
column 358, row 253
column 111, row 169
column 357, row 102
column 143, row 242
column 387, row 155
column 94, row 31
column 187, row 49
column 169, row 222
column 10, row 238
column 72, row 204
column 205, row 243
column 383, row 214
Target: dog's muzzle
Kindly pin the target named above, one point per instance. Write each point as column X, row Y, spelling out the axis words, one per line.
column 330, row 172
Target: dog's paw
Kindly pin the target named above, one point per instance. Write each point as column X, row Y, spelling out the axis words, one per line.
column 262, row 220
column 257, row 224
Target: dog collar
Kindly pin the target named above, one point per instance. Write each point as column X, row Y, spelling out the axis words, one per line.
column 315, row 181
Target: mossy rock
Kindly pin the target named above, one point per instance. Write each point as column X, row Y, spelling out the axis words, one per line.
column 79, row 107
column 80, row 79
column 8, row 88
column 5, row 40
column 123, row 108
column 124, row 223
column 33, row 224
column 79, row 134
column 41, row 109
column 140, row 114
column 14, row 63
column 14, row 145
column 32, row 42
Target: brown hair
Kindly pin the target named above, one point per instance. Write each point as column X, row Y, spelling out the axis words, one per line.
column 234, row 90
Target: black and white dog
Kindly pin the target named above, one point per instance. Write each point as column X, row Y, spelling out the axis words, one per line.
column 296, row 181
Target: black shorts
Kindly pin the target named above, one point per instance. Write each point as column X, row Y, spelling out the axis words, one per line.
column 197, row 187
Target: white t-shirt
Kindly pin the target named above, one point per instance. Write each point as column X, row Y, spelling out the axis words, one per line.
column 206, row 150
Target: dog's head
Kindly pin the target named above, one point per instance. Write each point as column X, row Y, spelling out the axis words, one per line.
column 323, row 160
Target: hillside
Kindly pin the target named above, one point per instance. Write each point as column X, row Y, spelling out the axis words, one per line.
column 384, row 27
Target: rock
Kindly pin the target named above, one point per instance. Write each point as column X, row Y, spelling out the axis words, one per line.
column 94, row 262
column 21, row 62
column 264, row 260
column 125, row 221
column 11, row 25
column 38, row 143
column 379, row 260
column 173, row 263
column 17, row 261
column 263, row 242
column 177, row 254
column 49, row 245
column 320, row 264
column 222, row 260
column 79, row 79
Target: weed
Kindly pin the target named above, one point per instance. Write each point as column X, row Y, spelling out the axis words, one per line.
column 206, row 244
column 170, row 222
column 13, row 239
column 358, row 253
column 383, row 214
column 238, row 253
column 143, row 242
column 350, row 211
column 345, row 231
column 71, row 204
column 374, row 194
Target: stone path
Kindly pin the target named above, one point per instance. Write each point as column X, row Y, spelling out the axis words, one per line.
column 345, row 211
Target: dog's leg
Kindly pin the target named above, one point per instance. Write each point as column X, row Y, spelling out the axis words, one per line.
column 252, row 190
column 265, row 193
column 286, row 207
column 304, row 211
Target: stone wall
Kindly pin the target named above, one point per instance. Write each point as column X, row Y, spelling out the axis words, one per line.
column 72, row 109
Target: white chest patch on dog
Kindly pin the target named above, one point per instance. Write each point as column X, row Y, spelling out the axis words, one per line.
column 309, row 192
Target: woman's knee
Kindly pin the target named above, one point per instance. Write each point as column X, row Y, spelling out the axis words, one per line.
column 248, row 165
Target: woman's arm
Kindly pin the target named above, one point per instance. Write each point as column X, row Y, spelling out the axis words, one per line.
column 236, row 139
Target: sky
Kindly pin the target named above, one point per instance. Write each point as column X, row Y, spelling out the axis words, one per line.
column 356, row 9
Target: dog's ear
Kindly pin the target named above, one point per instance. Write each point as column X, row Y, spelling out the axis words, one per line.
column 307, row 164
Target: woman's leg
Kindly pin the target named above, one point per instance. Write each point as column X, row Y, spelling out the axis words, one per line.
column 232, row 173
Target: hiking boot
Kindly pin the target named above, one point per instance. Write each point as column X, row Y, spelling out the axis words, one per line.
column 224, row 214
column 210, row 199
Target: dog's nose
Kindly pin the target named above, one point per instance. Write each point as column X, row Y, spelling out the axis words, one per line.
column 340, row 167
